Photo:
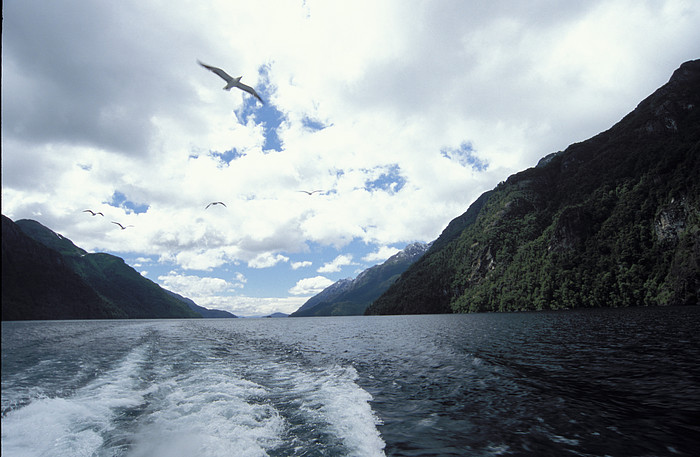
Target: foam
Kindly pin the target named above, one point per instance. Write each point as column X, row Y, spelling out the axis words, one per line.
column 72, row 426
column 348, row 410
column 329, row 398
column 207, row 412
column 185, row 402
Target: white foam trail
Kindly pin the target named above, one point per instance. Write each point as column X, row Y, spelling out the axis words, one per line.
column 187, row 403
column 209, row 412
column 331, row 398
column 72, row 426
column 349, row 412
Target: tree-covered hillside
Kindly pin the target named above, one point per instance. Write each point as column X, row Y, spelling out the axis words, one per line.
column 37, row 283
column 45, row 276
column 611, row 221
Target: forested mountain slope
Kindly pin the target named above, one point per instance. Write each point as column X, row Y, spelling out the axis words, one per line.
column 38, row 284
column 45, row 276
column 611, row 221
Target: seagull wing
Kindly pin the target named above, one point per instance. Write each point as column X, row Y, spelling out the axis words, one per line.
column 249, row 89
column 225, row 76
column 120, row 225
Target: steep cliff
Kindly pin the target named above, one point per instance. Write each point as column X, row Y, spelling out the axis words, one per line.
column 611, row 221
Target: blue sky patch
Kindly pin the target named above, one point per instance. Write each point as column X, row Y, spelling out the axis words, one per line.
column 312, row 124
column 227, row 156
column 390, row 181
column 464, row 155
column 119, row 200
column 263, row 114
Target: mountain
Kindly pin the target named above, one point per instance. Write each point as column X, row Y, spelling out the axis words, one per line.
column 277, row 315
column 201, row 310
column 37, row 283
column 349, row 297
column 45, row 276
column 611, row 221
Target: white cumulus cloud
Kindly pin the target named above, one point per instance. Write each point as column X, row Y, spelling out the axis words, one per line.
column 195, row 286
column 266, row 260
column 381, row 254
column 310, row 286
column 336, row 264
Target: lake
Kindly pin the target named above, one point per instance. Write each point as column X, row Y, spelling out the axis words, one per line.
column 612, row 382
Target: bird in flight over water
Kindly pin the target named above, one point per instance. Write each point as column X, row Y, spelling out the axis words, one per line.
column 310, row 192
column 215, row 203
column 232, row 82
column 93, row 213
column 120, row 225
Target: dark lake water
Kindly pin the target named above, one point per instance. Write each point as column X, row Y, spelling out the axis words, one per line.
column 586, row 383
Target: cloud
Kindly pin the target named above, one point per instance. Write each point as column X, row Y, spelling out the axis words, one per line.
column 310, row 286
column 195, row 286
column 74, row 95
column 242, row 305
column 381, row 254
column 301, row 264
column 336, row 264
column 401, row 137
column 142, row 260
column 239, row 280
column 266, row 260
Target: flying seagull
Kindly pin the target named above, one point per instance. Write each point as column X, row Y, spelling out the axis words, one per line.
column 93, row 213
column 215, row 203
column 120, row 225
column 232, row 82
column 310, row 193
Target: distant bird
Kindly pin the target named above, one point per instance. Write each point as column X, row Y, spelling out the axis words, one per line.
column 215, row 203
column 93, row 213
column 310, row 193
column 120, row 225
column 232, row 82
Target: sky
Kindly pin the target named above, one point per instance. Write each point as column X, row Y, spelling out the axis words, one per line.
column 401, row 113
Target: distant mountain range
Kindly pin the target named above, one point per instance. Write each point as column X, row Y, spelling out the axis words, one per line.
column 275, row 315
column 349, row 297
column 613, row 221
column 45, row 276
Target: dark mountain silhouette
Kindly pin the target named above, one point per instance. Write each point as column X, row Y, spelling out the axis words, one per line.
column 611, row 221
column 202, row 311
column 37, row 283
column 45, row 276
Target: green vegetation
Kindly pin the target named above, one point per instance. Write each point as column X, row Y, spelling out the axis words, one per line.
column 612, row 221
column 45, row 276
